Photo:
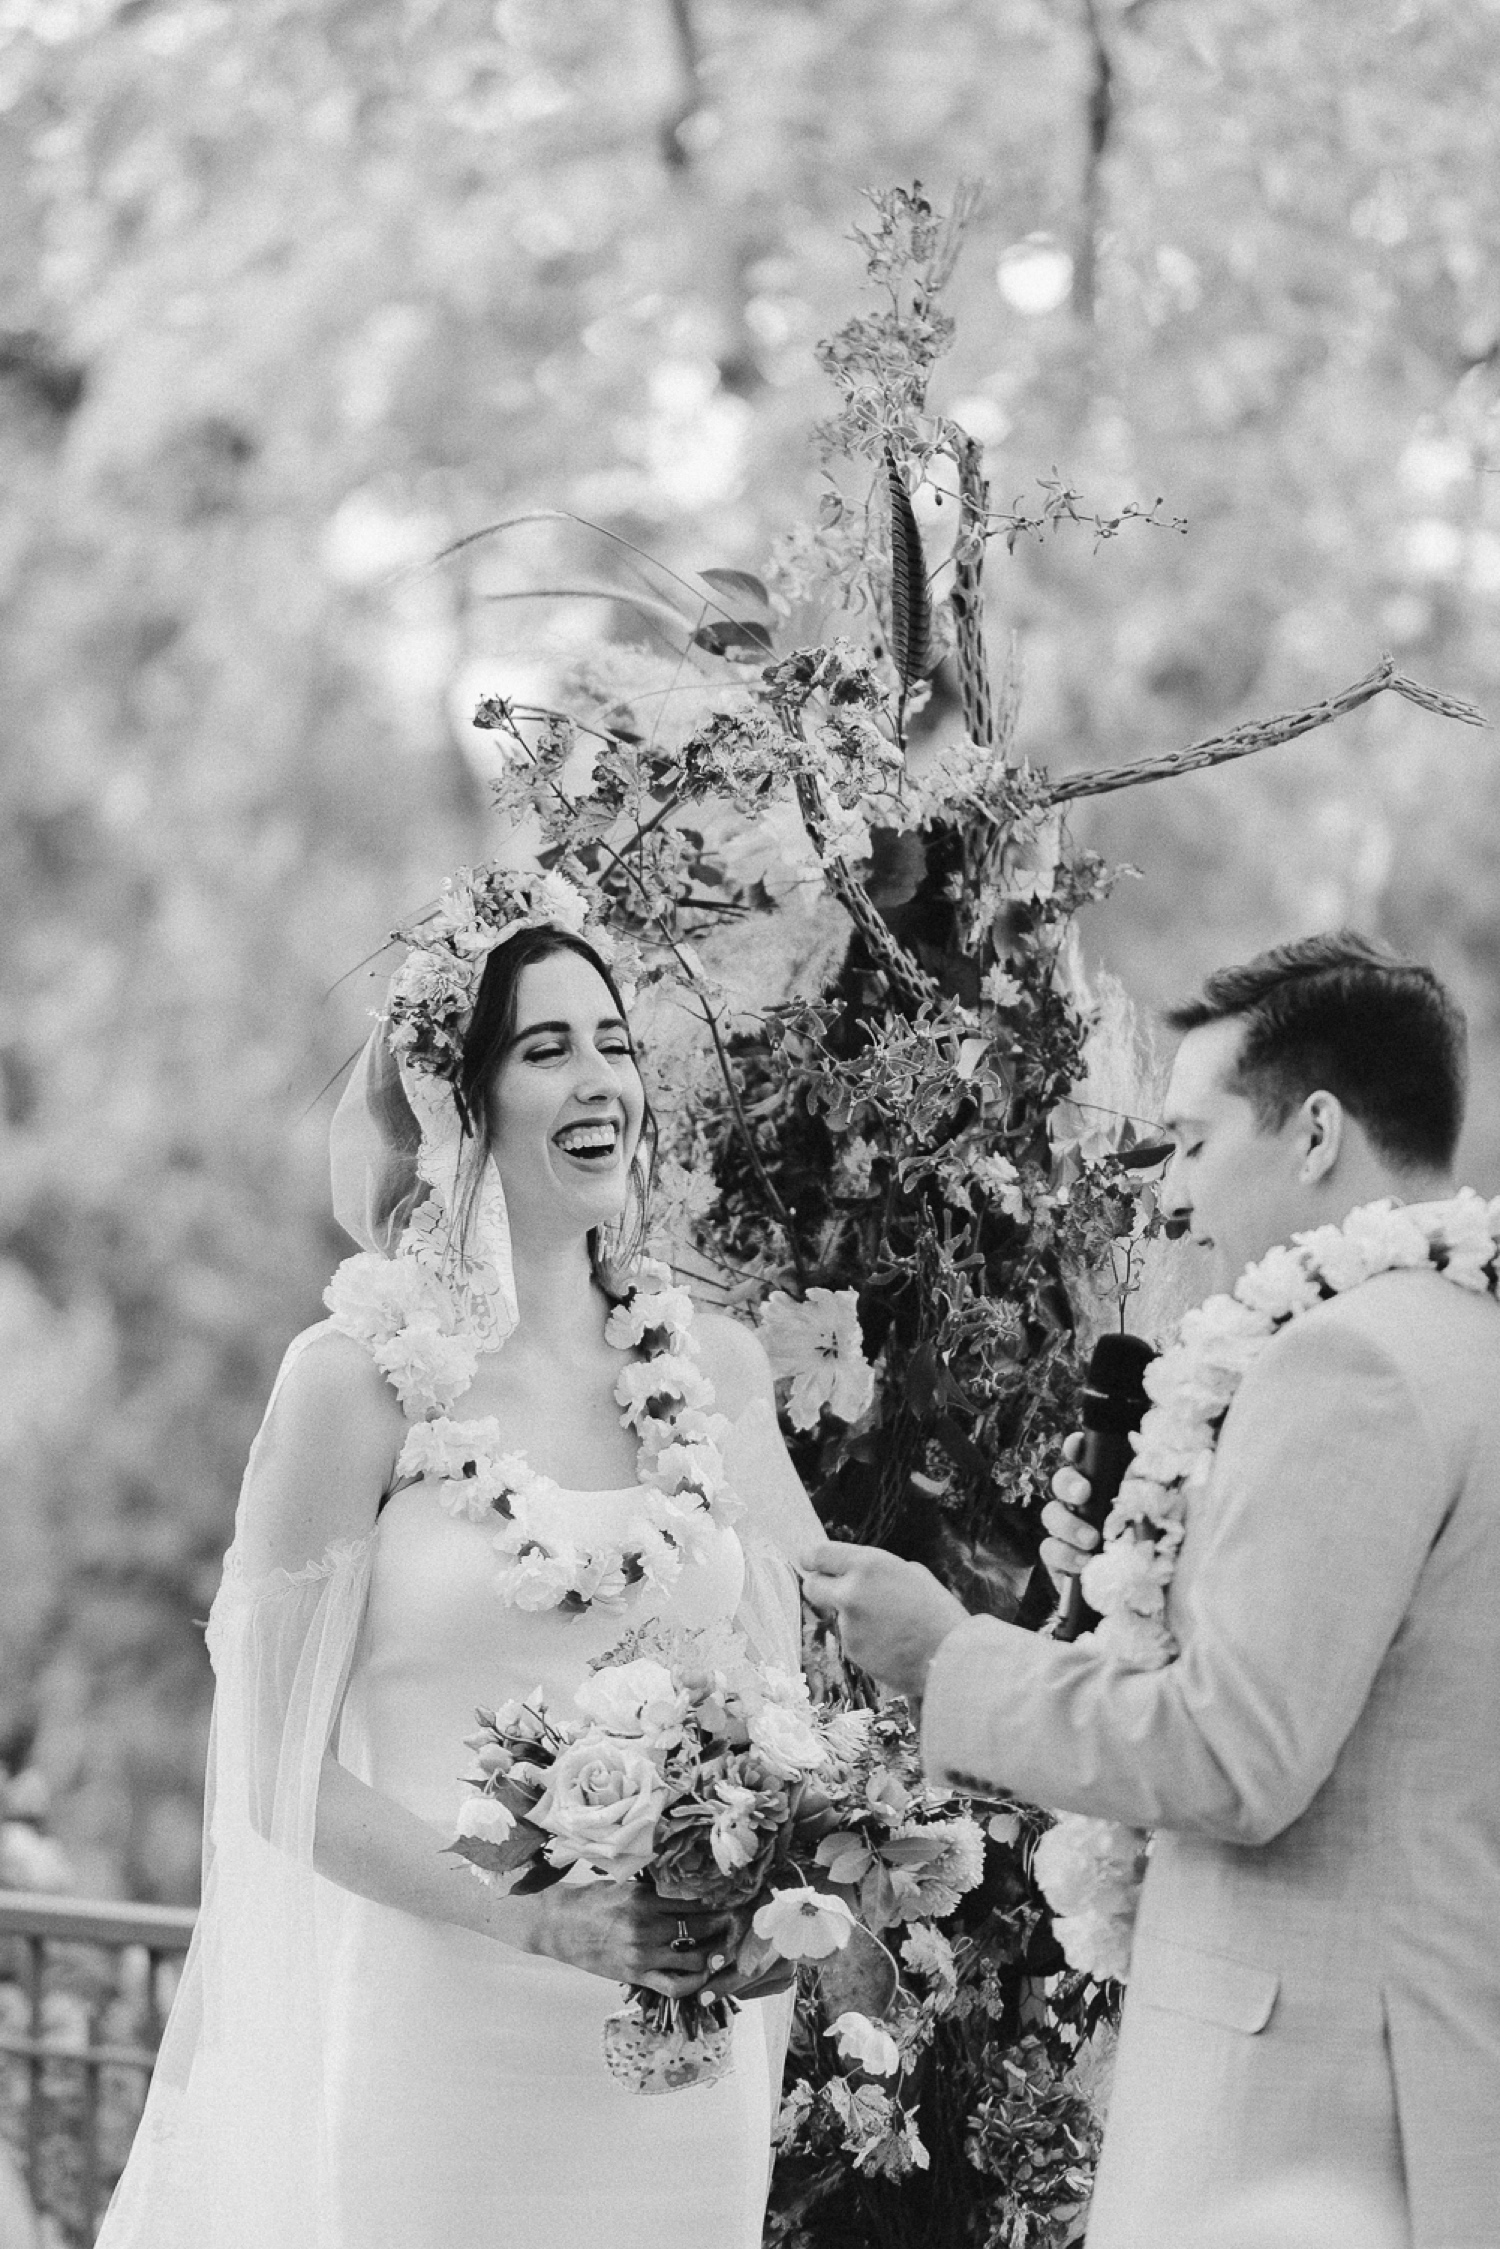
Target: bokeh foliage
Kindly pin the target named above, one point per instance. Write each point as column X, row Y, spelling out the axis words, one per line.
column 294, row 293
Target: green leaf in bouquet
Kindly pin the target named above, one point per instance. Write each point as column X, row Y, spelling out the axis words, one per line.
column 845, row 1856
column 877, row 1897
column 522, row 1847
column 913, row 1850
column 540, row 1875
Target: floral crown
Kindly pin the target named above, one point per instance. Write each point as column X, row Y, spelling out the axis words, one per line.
column 432, row 994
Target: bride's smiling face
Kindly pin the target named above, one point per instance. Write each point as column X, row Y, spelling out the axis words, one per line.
column 566, row 1101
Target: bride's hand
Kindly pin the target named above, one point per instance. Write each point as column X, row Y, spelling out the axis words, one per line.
column 757, row 1970
column 765, row 1983
column 624, row 1932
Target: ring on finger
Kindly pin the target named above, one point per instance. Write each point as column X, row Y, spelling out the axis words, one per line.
column 682, row 1942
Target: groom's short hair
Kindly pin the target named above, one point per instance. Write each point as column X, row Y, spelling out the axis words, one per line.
column 1340, row 1014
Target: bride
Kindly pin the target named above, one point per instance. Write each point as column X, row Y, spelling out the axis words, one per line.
column 371, row 2048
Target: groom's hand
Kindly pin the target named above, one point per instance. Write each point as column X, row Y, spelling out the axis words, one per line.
column 1070, row 1540
column 892, row 1616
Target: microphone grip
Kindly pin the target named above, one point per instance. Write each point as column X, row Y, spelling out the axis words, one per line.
column 1105, row 1461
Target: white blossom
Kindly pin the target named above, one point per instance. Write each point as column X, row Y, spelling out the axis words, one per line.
column 1278, row 1284
column 805, row 1924
column 486, row 1817
column 1465, row 1236
column 817, row 1343
column 372, row 1297
column 639, row 1698
column 860, row 2040
column 999, row 1181
column 1128, row 1574
column 427, row 1368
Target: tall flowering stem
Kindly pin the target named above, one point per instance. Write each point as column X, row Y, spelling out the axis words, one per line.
column 887, row 1163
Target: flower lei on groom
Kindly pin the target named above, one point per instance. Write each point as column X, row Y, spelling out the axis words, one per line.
column 1091, row 1870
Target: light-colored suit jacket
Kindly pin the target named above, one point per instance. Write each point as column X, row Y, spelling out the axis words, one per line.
column 1316, row 1971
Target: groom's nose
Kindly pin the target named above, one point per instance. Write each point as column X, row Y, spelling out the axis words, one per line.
column 1172, row 1197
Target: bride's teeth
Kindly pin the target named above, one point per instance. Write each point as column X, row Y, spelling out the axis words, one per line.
column 587, row 1139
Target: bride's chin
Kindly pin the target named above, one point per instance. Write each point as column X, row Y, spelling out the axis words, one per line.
column 604, row 1206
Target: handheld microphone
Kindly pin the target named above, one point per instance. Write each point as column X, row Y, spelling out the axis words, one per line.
column 1114, row 1404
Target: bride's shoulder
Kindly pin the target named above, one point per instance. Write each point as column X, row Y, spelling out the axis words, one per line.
column 326, row 1365
column 734, row 1359
column 330, row 1398
column 325, row 1453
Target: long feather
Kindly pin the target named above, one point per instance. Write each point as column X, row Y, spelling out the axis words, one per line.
column 911, row 604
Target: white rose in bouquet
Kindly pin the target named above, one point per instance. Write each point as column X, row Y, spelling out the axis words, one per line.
column 487, row 1817
column 601, row 1805
column 638, row 1698
column 786, row 1741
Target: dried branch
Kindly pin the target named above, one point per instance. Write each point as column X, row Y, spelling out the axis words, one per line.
column 907, row 975
column 1262, row 734
column 967, row 597
column 767, row 1184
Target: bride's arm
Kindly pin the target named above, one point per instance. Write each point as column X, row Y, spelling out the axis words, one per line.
column 777, row 1508
column 622, row 1931
column 327, row 1453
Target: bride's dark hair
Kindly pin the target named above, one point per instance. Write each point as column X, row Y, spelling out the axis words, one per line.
column 492, row 1026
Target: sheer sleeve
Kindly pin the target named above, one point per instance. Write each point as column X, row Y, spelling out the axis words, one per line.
column 779, row 1527
column 231, row 2150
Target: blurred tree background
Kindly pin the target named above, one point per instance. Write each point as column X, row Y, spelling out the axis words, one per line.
column 292, row 292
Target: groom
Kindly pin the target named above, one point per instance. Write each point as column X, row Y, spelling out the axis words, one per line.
column 1315, row 1980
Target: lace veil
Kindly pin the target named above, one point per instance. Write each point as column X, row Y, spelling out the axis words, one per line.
column 233, row 2149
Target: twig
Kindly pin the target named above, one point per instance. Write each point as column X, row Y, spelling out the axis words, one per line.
column 556, row 515
column 650, row 605
column 767, row 1183
column 967, row 597
column 906, row 973
column 1262, row 734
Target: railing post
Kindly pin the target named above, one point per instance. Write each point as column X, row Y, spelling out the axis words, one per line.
column 69, row 2183
column 34, row 1952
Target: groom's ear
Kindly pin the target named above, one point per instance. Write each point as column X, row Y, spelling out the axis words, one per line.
column 1320, row 1135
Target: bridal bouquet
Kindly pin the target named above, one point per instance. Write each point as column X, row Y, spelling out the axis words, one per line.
column 684, row 1764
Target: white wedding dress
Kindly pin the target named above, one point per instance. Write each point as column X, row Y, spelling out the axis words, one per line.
column 339, row 2075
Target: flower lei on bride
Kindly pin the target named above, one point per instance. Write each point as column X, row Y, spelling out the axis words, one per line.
column 1091, row 1870
column 400, row 1309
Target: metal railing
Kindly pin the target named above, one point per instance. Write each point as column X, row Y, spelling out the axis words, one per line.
column 84, row 1992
